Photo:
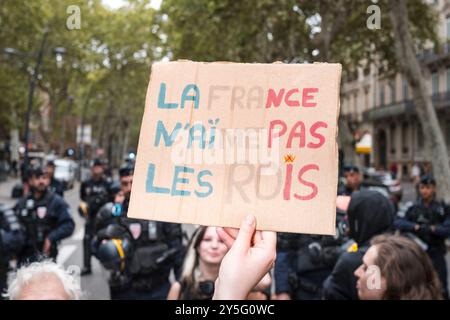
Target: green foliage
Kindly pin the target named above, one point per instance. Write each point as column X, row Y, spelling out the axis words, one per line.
column 286, row 30
column 105, row 69
column 108, row 61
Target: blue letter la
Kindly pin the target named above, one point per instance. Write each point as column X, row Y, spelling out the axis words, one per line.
column 195, row 97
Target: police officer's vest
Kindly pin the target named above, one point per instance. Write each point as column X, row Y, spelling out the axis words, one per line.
column 97, row 195
column 149, row 246
column 432, row 215
column 34, row 216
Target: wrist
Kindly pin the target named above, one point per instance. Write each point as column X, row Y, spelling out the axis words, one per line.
column 222, row 292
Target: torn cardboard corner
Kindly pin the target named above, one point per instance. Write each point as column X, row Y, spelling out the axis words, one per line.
column 221, row 140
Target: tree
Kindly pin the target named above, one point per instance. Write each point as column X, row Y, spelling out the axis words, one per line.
column 291, row 31
column 101, row 80
column 417, row 76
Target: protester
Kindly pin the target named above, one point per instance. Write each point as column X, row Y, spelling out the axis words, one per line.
column 201, row 266
column 250, row 257
column 369, row 214
column 404, row 271
column 44, row 280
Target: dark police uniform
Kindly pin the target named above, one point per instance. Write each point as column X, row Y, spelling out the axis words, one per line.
column 303, row 263
column 47, row 217
column 95, row 194
column 57, row 186
column 152, row 250
column 12, row 237
column 435, row 214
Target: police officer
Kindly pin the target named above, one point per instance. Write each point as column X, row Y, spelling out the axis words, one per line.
column 139, row 253
column 12, row 238
column 429, row 220
column 303, row 263
column 94, row 193
column 55, row 185
column 353, row 179
column 45, row 216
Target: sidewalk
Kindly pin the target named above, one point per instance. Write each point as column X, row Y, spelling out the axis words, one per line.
column 5, row 191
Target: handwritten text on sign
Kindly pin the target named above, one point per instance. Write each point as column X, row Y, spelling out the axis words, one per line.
column 221, row 140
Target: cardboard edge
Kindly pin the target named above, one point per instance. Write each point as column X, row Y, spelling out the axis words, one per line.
column 131, row 213
column 338, row 111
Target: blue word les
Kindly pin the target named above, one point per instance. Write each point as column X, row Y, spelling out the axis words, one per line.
column 181, row 185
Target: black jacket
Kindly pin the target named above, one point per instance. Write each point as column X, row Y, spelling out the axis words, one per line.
column 12, row 238
column 57, row 186
column 437, row 214
column 369, row 214
column 145, row 236
column 48, row 217
column 95, row 194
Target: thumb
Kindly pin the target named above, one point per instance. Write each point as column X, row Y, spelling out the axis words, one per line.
column 245, row 235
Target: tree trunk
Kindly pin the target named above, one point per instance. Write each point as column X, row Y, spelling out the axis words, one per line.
column 330, row 27
column 406, row 57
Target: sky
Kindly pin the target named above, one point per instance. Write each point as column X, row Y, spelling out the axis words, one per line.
column 114, row 4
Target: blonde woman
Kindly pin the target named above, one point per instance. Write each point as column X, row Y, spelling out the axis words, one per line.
column 204, row 256
column 201, row 266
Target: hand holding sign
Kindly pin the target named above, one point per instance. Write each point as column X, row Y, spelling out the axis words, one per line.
column 250, row 257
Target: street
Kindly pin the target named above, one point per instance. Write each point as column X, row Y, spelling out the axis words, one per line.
column 95, row 286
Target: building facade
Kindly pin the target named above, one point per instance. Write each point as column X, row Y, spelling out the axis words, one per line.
column 381, row 106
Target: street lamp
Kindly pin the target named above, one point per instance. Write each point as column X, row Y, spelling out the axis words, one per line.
column 59, row 51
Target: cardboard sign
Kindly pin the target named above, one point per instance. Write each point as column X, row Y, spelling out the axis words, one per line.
column 221, row 140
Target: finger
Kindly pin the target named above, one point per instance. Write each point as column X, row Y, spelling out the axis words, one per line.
column 225, row 237
column 269, row 240
column 232, row 232
column 257, row 238
column 244, row 238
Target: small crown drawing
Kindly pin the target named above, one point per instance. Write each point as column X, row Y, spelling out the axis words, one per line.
column 289, row 158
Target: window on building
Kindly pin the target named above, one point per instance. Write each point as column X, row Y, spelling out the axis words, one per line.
column 392, row 89
column 405, row 89
column 434, row 83
column 405, row 141
column 392, row 138
column 381, row 95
